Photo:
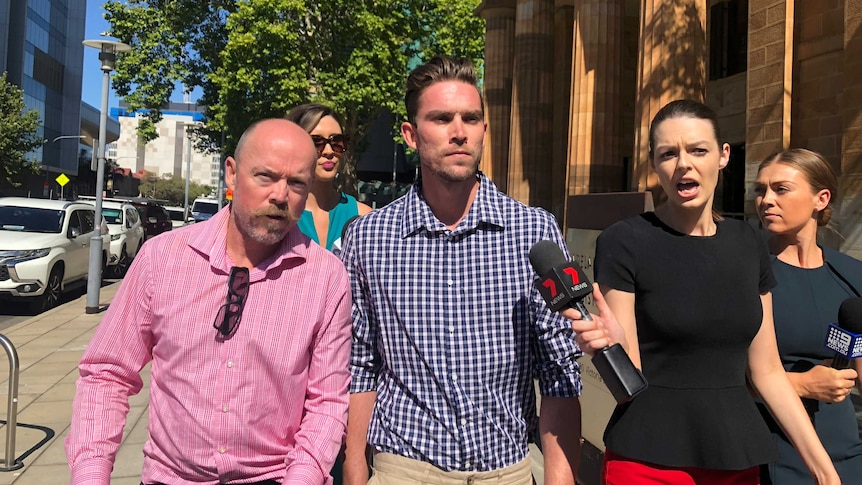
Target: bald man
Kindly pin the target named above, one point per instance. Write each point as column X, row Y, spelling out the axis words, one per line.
column 247, row 325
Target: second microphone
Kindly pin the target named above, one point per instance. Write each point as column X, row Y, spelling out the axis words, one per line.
column 563, row 284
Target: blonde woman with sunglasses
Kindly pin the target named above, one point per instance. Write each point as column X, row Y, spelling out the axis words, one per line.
column 328, row 208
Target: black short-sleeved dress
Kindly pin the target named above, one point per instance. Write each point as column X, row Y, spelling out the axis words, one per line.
column 805, row 302
column 697, row 308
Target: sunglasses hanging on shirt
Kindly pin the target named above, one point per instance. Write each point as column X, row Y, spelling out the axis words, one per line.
column 229, row 314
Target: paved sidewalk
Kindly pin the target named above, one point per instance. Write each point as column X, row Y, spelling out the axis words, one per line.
column 49, row 347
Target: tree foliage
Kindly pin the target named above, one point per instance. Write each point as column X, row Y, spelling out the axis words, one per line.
column 171, row 189
column 253, row 59
column 19, row 130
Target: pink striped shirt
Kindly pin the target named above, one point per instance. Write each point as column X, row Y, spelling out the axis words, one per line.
column 268, row 403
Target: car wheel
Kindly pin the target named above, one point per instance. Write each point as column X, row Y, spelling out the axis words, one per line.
column 51, row 296
column 122, row 263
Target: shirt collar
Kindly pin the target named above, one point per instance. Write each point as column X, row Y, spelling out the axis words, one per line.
column 485, row 210
column 211, row 243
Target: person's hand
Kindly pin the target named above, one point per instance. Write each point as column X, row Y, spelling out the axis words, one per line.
column 600, row 332
column 826, row 384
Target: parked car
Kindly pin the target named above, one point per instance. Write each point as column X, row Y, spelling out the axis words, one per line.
column 178, row 216
column 126, row 230
column 203, row 208
column 154, row 217
column 45, row 248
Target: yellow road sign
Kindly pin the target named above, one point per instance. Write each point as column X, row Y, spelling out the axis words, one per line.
column 62, row 179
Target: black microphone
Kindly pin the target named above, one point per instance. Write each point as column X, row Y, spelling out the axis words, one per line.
column 563, row 284
column 845, row 338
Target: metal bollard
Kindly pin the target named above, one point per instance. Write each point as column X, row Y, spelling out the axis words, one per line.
column 12, row 407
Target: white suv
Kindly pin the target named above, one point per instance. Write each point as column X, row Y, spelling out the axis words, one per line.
column 45, row 247
column 127, row 232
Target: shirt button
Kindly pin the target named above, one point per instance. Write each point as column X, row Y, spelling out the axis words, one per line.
column 463, row 421
column 224, row 408
column 454, row 376
column 450, row 282
column 230, row 363
column 451, row 328
column 222, row 449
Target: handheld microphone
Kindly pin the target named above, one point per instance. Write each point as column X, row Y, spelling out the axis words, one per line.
column 845, row 338
column 563, row 284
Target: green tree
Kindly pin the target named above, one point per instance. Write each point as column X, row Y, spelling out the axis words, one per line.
column 171, row 189
column 19, row 130
column 258, row 58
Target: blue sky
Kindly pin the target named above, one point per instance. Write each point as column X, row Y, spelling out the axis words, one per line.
column 91, row 91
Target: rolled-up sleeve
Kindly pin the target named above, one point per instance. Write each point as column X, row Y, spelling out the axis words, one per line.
column 364, row 358
column 556, row 351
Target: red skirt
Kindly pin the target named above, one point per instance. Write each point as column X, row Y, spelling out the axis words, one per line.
column 619, row 470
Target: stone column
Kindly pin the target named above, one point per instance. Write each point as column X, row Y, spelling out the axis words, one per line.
column 564, row 18
column 672, row 65
column 499, row 18
column 530, row 154
column 769, row 84
column 849, row 213
column 595, row 158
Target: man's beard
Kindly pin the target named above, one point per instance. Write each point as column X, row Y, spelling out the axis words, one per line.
column 257, row 226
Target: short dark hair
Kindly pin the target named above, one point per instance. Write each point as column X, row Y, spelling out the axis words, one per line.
column 683, row 108
column 308, row 115
column 438, row 69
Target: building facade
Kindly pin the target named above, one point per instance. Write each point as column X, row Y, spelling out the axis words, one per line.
column 41, row 50
column 167, row 155
column 571, row 86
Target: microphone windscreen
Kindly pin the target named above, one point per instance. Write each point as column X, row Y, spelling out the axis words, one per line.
column 544, row 255
column 850, row 315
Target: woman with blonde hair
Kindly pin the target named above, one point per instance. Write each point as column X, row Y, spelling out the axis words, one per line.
column 794, row 195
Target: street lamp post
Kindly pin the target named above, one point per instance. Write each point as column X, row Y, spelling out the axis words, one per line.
column 188, row 170
column 107, row 55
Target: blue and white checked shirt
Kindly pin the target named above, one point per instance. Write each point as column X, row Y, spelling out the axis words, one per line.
column 450, row 330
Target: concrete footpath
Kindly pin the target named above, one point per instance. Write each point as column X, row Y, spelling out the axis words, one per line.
column 49, row 348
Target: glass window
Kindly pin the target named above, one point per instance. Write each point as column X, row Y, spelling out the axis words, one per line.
column 29, row 219
column 88, row 220
column 112, row 216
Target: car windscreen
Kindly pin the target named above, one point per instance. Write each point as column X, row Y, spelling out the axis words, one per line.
column 29, row 219
column 205, row 207
column 176, row 215
column 112, row 216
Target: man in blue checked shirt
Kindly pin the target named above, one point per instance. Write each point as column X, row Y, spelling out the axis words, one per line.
column 449, row 330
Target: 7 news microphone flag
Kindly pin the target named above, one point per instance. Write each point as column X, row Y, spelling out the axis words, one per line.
column 563, row 284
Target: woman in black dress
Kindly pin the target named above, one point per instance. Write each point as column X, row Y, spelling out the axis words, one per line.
column 793, row 195
column 691, row 295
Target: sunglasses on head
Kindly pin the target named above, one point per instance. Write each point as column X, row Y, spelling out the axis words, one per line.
column 337, row 142
column 230, row 313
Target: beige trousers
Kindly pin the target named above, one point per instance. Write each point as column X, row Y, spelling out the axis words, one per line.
column 392, row 469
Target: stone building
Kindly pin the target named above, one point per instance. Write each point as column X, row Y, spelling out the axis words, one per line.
column 167, row 155
column 571, row 85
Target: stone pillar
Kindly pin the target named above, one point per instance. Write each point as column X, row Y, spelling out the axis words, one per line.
column 672, row 65
column 564, row 18
column 595, row 158
column 530, row 154
column 849, row 213
column 499, row 18
column 769, row 84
